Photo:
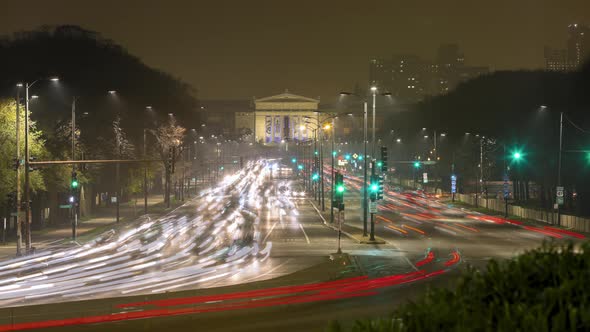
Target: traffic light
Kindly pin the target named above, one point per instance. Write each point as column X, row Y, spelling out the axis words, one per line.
column 300, row 167
column 417, row 164
column 380, row 186
column 383, row 159
column 32, row 159
column 347, row 156
column 339, row 188
column 315, row 176
column 74, row 183
column 374, row 187
column 294, row 160
column 516, row 155
column 379, row 164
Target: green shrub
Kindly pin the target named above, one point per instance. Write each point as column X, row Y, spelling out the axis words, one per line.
column 545, row 289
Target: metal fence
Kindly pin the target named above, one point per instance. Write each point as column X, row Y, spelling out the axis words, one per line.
column 575, row 223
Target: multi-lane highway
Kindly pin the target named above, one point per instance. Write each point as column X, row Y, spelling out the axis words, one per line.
column 259, row 224
column 219, row 238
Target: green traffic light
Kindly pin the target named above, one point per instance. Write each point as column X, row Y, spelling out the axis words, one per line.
column 294, row 160
column 334, row 153
column 374, row 188
column 340, row 188
column 315, row 176
column 517, row 155
column 74, row 183
column 417, row 164
column 379, row 164
column 300, row 167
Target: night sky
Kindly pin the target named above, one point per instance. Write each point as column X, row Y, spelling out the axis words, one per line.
column 239, row 49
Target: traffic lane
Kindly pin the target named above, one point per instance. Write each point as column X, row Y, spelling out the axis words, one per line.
column 108, row 268
column 314, row 316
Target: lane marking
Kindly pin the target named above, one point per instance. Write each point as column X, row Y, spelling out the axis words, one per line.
column 273, row 227
column 303, row 230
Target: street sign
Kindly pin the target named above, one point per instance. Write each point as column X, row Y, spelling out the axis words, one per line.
column 114, row 199
column 506, row 187
column 453, row 184
column 372, row 207
column 355, row 156
column 65, row 206
column 425, row 177
column 559, row 194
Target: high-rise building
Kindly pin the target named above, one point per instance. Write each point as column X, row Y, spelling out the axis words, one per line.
column 576, row 52
column 556, row 60
column 578, row 44
column 410, row 78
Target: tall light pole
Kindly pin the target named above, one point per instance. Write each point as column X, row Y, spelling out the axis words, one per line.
column 365, row 188
column 19, row 241
column 364, row 198
column 559, row 165
column 27, row 170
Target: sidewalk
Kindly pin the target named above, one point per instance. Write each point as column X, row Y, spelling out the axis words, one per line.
column 347, row 228
column 102, row 219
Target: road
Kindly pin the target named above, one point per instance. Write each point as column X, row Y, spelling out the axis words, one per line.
column 258, row 225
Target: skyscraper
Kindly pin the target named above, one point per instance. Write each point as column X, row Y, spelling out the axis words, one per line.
column 410, row 78
column 578, row 47
column 576, row 52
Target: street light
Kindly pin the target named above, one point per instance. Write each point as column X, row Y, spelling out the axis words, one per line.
column 364, row 158
column 27, row 169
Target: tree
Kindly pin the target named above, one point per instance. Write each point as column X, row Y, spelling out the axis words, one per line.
column 169, row 137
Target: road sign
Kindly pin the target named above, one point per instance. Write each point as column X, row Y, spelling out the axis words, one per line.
column 559, row 194
column 65, row 206
column 355, row 156
column 372, row 207
column 453, row 184
column 425, row 177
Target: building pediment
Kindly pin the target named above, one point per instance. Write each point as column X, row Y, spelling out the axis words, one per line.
column 286, row 97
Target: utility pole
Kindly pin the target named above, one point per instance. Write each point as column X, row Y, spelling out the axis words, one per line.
column 506, row 179
column 27, row 175
column 365, row 189
column 19, row 242
column 374, row 107
column 76, row 201
column 559, row 165
column 145, row 175
column 333, row 157
column 372, row 237
column 322, row 170
column 118, row 187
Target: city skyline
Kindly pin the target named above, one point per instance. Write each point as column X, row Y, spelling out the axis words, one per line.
column 245, row 50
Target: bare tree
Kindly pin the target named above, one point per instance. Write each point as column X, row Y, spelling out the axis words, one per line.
column 169, row 137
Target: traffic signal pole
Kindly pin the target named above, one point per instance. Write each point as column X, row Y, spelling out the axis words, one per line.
column 365, row 190
column 373, row 199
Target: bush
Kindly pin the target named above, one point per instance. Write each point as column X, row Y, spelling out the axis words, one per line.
column 545, row 289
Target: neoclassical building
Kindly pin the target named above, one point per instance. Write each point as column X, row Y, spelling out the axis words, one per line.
column 283, row 117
